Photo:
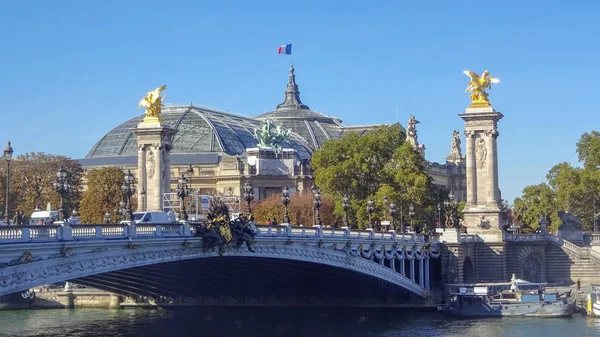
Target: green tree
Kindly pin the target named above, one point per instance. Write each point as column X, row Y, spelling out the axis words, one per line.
column 102, row 195
column 588, row 150
column 355, row 165
column 537, row 200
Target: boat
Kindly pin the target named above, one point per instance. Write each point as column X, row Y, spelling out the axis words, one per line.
column 515, row 298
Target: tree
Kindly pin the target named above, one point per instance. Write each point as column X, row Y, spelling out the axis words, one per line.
column 32, row 178
column 537, row 200
column 300, row 209
column 102, row 195
column 588, row 150
column 355, row 165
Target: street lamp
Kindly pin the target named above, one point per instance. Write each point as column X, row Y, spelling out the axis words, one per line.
column 370, row 210
column 62, row 187
column 450, row 205
column 182, row 192
column 248, row 196
column 285, row 199
column 8, row 152
column 411, row 214
column 393, row 211
column 107, row 217
column 345, row 207
column 385, row 202
column 543, row 224
column 190, row 172
column 128, row 189
column 439, row 209
column 317, row 203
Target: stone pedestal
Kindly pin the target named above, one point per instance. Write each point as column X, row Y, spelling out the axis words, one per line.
column 154, row 164
column 482, row 210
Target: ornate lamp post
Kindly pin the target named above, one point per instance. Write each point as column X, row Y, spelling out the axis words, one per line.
column 543, row 224
column 190, row 172
column 317, row 203
column 128, row 189
column 385, row 202
column 248, row 196
column 345, row 207
column 439, row 210
column 450, row 204
column 393, row 211
column 182, row 192
column 107, row 217
column 411, row 214
column 370, row 210
column 285, row 199
column 62, row 187
column 8, row 152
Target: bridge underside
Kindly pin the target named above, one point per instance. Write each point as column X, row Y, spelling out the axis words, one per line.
column 245, row 277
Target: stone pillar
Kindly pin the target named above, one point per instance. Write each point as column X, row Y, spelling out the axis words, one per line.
column 402, row 267
column 412, row 269
column 154, row 169
column 421, row 273
column 482, row 212
column 427, row 280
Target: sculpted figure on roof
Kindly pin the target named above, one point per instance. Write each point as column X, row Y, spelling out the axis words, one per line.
column 153, row 102
column 271, row 135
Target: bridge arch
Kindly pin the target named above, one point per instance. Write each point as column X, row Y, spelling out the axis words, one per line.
column 106, row 262
column 532, row 263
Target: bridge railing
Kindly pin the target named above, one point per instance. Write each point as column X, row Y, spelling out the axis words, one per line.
column 37, row 233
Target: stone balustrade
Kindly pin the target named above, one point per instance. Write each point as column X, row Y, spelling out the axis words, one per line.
column 67, row 232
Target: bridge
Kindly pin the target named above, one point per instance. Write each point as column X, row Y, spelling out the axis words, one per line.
column 168, row 260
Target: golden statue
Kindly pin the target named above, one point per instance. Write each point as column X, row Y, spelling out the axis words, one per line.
column 477, row 87
column 153, row 103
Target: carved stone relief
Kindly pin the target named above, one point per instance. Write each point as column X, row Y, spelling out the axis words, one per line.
column 150, row 163
column 481, row 152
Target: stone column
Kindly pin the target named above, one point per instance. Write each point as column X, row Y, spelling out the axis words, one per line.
column 482, row 212
column 421, row 272
column 471, row 169
column 402, row 267
column 412, row 269
column 427, row 280
column 154, row 142
column 141, row 178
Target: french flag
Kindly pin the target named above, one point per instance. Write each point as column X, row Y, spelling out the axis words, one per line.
column 285, row 49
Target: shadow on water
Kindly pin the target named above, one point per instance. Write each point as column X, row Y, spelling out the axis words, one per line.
column 264, row 322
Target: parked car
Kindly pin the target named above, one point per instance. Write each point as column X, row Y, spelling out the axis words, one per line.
column 152, row 218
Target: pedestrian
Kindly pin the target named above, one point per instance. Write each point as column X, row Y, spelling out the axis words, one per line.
column 274, row 222
column 578, row 284
column 269, row 222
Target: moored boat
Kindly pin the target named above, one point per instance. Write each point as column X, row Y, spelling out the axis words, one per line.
column 515, row 298
column 596, row 304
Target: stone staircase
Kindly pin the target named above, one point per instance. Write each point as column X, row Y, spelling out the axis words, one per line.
column 567, row 262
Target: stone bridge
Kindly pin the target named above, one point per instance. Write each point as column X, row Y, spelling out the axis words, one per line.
column 169, row 261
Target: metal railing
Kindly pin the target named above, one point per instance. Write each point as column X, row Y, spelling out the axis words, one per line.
column 15, row 234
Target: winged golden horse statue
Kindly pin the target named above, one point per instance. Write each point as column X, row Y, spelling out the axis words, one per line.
column 477, row 87
column 153, row 102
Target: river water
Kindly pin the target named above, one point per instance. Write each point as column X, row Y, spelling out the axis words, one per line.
column 279, row 322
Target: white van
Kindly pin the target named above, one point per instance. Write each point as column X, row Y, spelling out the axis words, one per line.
column 46, row 216
column 152, row 218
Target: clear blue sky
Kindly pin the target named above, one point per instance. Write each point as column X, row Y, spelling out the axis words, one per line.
column 72, row 70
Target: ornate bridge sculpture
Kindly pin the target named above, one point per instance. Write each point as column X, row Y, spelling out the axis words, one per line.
column 99, row 255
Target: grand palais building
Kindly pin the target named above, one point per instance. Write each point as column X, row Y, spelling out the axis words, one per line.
column 210, row 148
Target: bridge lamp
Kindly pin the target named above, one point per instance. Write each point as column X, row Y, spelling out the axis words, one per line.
column 370, row 210
column 393, row 211
column 107, row 217
column 128, row 189
column 248, row 196
column 345, row 207
column 8, row 152
column 190, row 172
column 182, row 192
column 543, row 224
column 317, row 203
column 62, row 187
column 285, row 199
column 411, row 214
column 439, row 210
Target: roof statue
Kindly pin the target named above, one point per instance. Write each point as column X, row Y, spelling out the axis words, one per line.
column 569, row 221
column 411, row 131
column 271, row 135
column 477, row 88
column 455, row 150
column 153, row 103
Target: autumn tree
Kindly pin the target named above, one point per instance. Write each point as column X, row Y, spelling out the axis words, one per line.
column 300, row 210
column 32, row 178
column 102, row 195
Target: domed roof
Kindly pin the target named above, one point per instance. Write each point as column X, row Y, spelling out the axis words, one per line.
column 313, row 126
column 197, row 131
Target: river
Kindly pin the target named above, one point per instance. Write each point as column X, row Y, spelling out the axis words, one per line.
column 279, row 322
